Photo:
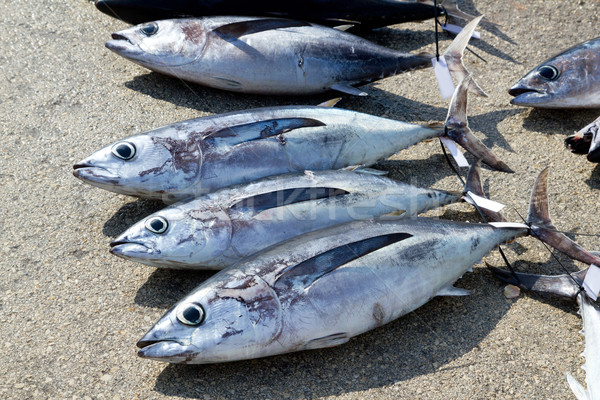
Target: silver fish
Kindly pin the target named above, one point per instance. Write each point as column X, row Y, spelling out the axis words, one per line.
column 320, row 289
column 568, row 80
column 221, row 228
column 586, row 141
column 565, row 286
column 270, row 55
column 202, row 155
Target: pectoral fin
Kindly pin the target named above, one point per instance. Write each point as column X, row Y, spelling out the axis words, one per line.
column 453, row 291
column 345, row 88
column 263, row 129
column 238, row 29
column 327, row 341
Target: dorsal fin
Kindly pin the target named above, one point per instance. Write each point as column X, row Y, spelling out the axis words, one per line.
column 307, row 272
column 285, row 197
column 236, row 30
column 263, row 129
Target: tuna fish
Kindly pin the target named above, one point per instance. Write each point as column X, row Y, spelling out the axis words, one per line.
column 271, row 56
column 366, row 14
column 569, row 286
column 202, row 155
column 586, row 141
column 568, row 80
column 219, row 229
column 322, row 288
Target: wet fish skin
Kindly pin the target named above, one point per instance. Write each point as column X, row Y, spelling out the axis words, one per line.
column 274, row 303
column 233, row 53
column 368, row 14
column 221, row 228
column 199, row 156
column 576, row 85
column 586, row 141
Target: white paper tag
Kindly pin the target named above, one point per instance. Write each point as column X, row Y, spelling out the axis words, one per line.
column 591, row 283
column 483, row 202
column 442, row 73
column 508, row 225
column 455, row 151
column 457, row 29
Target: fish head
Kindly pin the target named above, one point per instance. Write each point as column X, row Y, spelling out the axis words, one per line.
column 231, row 316
column 160, row 166
column 185, row 235
column 594, row 152
column 161, row 44
column 559, row 82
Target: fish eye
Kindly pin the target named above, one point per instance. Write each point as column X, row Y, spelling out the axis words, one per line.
column 150, row 29
column 548, row 72
column 190, row 314
column 157, row 225
column 124, row 150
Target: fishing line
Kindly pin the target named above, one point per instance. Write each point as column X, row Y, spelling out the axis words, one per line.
column 448, row 159
column 437, row 44
column 508, row 264
column 551, row 252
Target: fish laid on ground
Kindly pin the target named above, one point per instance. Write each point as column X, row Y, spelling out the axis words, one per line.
column 565, row 286
column 221, row 228
column 202, row 155
column 568, row 80
column 586, row 141
column 365, row 14
column 272, row 56
column 320, row 289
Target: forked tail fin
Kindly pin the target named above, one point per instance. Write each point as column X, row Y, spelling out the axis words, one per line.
column 454, row 54
column 458, row 129
column 560, row 285
column 542, row 228
column 473, row 185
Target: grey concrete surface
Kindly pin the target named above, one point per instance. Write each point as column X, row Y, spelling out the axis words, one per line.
column 71, row 313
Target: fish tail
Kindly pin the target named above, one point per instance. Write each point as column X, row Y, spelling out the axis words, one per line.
column 560, row 285
column 454, row 57
column 473, row 185
column 542, row 228
column 457, row 129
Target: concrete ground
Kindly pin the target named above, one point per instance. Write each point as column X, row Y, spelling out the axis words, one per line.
column 71, row 313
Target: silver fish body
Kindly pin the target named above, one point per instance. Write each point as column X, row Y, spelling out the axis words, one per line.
column 568, row 80
column 202, row 155
column 320, row 289
column 264, row 55
column 586, row 141
column 221, row 228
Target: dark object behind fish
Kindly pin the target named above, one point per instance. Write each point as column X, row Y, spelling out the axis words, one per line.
column 586, row 141
column 368, row 13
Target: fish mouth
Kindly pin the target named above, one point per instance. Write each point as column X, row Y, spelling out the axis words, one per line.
column 578, row 144
column 126, row 249
column 94, row 174
column 525, row 96
column 167, row 350
column 123, row 45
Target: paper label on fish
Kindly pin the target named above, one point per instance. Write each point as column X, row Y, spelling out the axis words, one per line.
column 509, row 225
column 457, row 29
column 455, row 151
column 482, row 202
column 442, row 73
column 591, row 283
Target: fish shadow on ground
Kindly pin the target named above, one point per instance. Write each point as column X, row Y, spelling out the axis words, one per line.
column 214, row 101
column 422, row 173
column 488, row 124
column 417, row 344
column 129, row 214
column 594, row 180
column 468, row 6
column 165, row 287
column 564, row 122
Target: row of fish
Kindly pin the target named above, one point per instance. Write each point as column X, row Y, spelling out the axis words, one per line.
column 281, row 199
